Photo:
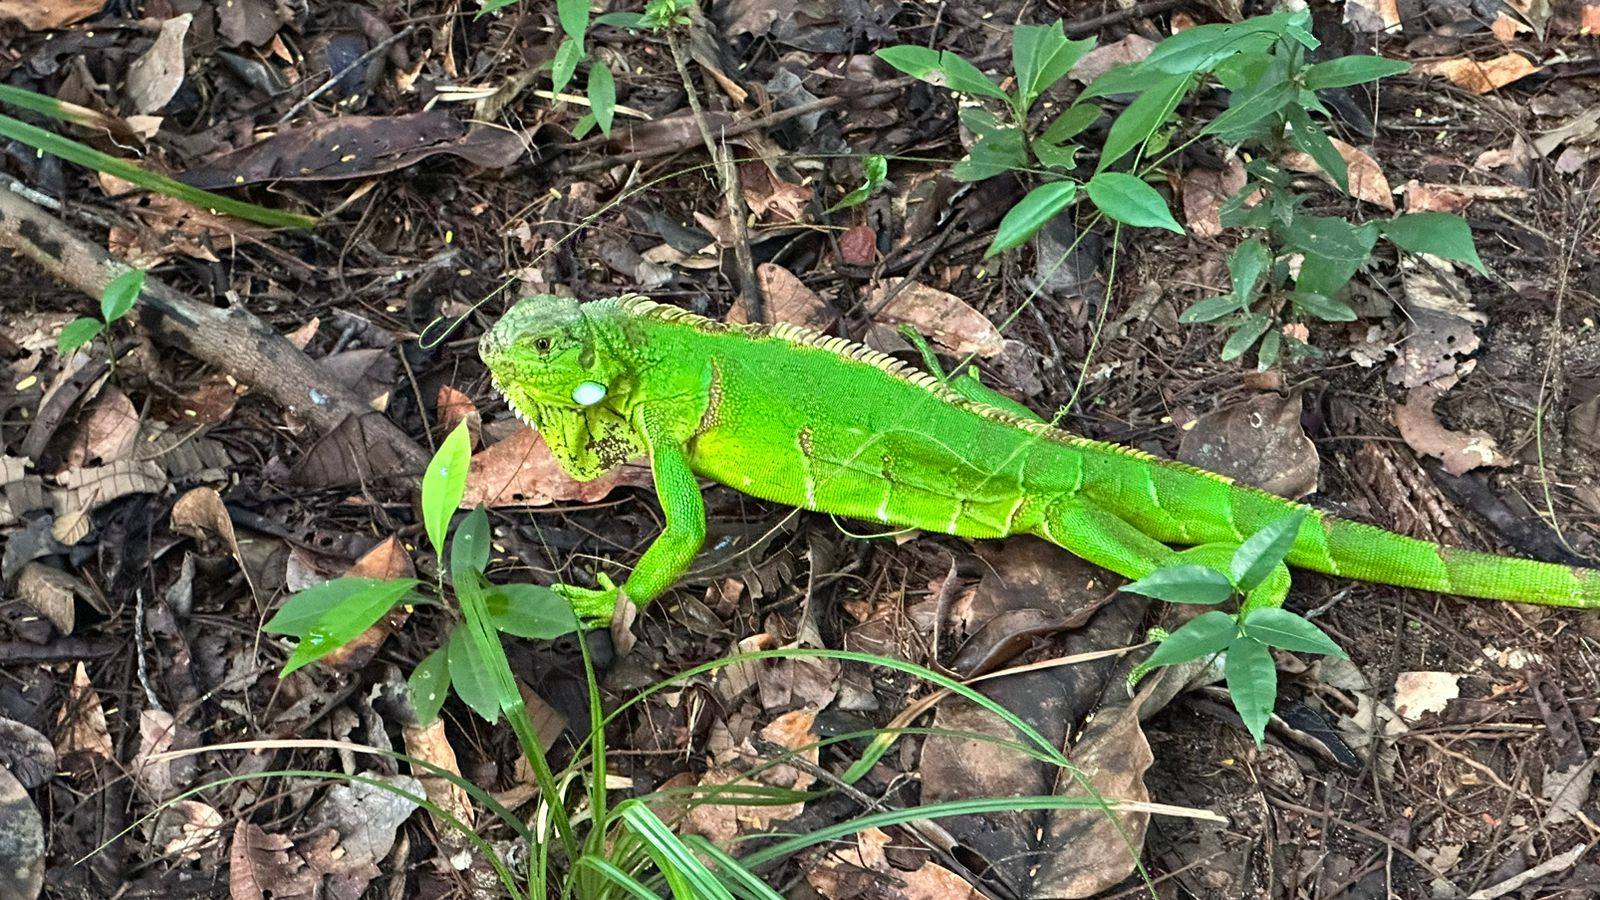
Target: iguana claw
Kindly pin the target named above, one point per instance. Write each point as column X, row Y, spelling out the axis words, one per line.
column 595, row 606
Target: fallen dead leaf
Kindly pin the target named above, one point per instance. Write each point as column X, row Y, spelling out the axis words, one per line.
column 1441, row 324
column 942, row 317
column 722, row 822
column 519, row 471
column 431, row 744
column 1506, row 28
column 1366, row 178
column 1204, row 192
column 248, row 21
column 771, row 199
column 159, row 733
column 353, row 829
column 1372, row 16
column 83, row 720
column 1460, row 452
column 185, row 829
column 454, row 407
column 1480, row 77
column 22, row 850
column 260, row 862
column 27, row 754
column 52, row 592
column 90, row 487
column 1259, row 442
column 155, row 77
column 38, row 15
column 1102, row 59
column 849, row 873
column 858, row 246
column 788, row 300
column 107, row 431
column 1416, row 693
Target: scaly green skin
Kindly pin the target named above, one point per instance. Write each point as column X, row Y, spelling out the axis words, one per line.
column 817, row 422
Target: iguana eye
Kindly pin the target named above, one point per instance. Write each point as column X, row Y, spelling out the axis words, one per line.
column 542, row 345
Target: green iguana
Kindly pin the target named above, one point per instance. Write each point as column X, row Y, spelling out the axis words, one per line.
column 800, row 418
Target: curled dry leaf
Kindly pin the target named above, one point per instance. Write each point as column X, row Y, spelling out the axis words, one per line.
column 1460, row 452
column 155, row 77
column 519, row 471
column 1204, row 191
column 87, row 489
column 82, row 723
column 942, row 317
column 430, row 743
column 185, row 829
column 52, row 592
column 858, row 246
column 1416, row 693
column 1366, row 178
column 1480, row 77
column 788, row 300
column 1259, row 442
column 1440, row 327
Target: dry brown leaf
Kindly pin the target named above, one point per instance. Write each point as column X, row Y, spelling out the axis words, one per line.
column 771, row 199
column 260, row 862
column 942, row 317
column 107, row 432
column 1589, row 20
column 159, row 733
column 39, row 15
column 1416, row 693
column 1372, row 16
column 1100, row 60
column 788, row 300
column 858, row 246
column 429, row 743
column 87, row 488
column 455, row 407
column 52, row 592
column 1204, row 191
column 519, row 471
column 1259, row 442
column 1480, row 77
column 1460, row 452
column 1453, row 198
column 83, row 720
column 1367, row 181
column 248, row 21
column 155, row 77
column 864, row 870
column 722, row 822
column 301, row 337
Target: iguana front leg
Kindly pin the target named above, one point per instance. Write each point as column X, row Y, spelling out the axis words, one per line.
column 669, row 556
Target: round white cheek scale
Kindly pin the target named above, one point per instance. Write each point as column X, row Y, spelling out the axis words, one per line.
column 588, row 393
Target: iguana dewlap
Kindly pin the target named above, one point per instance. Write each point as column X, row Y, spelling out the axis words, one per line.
column 791, row 416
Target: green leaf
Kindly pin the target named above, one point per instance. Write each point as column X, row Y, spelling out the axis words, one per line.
column 1333, row 249
column 1328, row 309
column 1071, row 123
column 1246, row 110
column 574, row 15
column 1127, row 78
column 1128, row 200
column 1245, row 337
column 1057, row 157
column 954, row 72
column 1205, row 634
column 120, row 295
column 1030, row 214
column 1002, row 151
column 875, row 167
column 1210, row 309
column 1252, row 683
column 1142, row 118
column 1348, row 70
column 490, row 6
column 470, row 675
column 1198, row 49
column 1040, row 56
column 78, row 332
column 1262, row 551
column 602, row 95
column 1246, row 264
column 633, row 20
column 1440, row 234
column 444, row 484
column 344, row 621
column 84, row 155
column 1184, row 584
column 1314, row 142
column 1267, row 353
column 430, row 684
column 1277, row 627
column 584, row 125
column 301, row 612
column 568, row 55
column 469, row 546
column 530, row 611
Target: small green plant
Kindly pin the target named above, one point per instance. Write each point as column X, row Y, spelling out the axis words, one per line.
column 875, row 169
column 1242, row 638
column 116, row 302
column 1291, row 265
column 601, row 87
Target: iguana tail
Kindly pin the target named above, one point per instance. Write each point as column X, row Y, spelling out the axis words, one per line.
column 1356, row 550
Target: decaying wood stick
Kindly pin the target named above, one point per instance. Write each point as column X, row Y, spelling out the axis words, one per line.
column 232, row 339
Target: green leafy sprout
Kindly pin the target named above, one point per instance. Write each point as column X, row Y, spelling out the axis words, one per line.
column 1242, row 639
column 1290, row 265
column 117, row 301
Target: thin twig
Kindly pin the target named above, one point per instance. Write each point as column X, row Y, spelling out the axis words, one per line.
column 733, row 199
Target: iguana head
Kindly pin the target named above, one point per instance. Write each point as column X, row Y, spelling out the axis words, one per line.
column 550, row 360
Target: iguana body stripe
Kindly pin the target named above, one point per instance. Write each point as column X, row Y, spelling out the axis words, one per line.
column 818, row 422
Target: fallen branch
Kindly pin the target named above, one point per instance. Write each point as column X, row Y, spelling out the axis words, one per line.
column 231, row 339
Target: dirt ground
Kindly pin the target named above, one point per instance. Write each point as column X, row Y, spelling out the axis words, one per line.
column 157, row 511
